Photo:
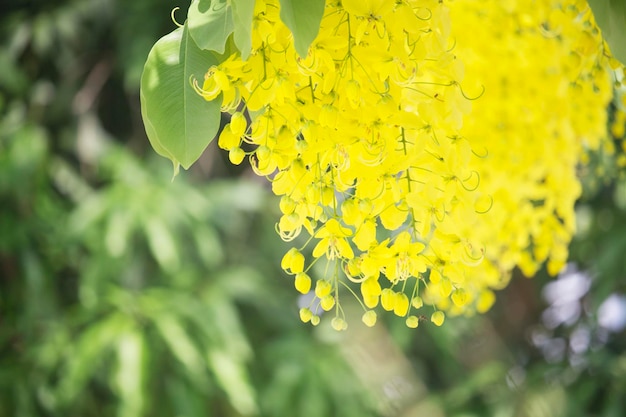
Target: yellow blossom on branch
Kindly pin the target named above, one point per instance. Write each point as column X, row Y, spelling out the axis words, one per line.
column 415, row 188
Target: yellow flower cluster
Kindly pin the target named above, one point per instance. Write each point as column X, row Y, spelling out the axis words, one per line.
column 546, row 71
column 363, row 140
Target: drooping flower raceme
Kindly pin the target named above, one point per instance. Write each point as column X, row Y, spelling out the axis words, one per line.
column 363, row 140
column 545, row 69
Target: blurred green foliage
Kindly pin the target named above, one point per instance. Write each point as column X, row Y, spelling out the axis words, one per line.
column 124, row 293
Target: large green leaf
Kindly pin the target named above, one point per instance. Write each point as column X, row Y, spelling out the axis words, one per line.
column 303, row 18
column 179, row 122
column 243, row 13
column 611, row 17
column 211, row 23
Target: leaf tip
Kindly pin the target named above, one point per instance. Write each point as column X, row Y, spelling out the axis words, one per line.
column 176, row 169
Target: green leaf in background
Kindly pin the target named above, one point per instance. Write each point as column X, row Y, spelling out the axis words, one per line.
column 210, row 23
column 611, row 17
column 182, row 346
column 129, row 377
column 303, row 18
column 162, row 243
column 232, row 376
column 88, row 352
column 179, row 122
column 243, row 13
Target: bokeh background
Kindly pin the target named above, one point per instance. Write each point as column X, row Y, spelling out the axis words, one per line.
column 124, row 293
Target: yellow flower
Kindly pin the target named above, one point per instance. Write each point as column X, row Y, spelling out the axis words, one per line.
column 215, row 82
column 368, row 8
column 401, row 305
column 305, row 315
column 369, row 318
column 365, row 236
column 437, row 318
column 383, row 149
column 293, row 261
column 322, row 288
column 339, row 324
column 412, row 322
column 236, row 155
column 227, row 140
column 406, row 260
column 388, row 299
column 237, row 124
column 327, row 302
column 333, row 241
column 302, row 282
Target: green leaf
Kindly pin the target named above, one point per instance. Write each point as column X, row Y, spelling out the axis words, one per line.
column 610, row 15
column 162, row 243
column 87, row 353
column 129, row 376
column 182, row 346
column 179, row 122
column 117, row 233
column 210, row 23
column 243, row 13
column 303, row 18
column 233, row 378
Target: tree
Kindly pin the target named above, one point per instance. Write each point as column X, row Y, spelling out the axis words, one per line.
column 123, row 292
